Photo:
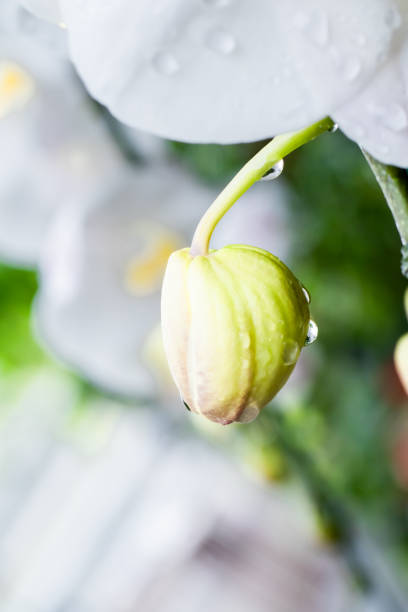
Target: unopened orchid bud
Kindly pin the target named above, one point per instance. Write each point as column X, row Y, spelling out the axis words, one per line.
column 234, row 322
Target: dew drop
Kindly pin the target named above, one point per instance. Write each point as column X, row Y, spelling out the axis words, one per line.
column 290, row 352
column 221, row 42
column 314, row 25
column 334, row 128
column 395, row 118
column 165, row 63
column 249, row 413
column 312, row 333
column 274, row 172
column 306, row 294
column 351, row 69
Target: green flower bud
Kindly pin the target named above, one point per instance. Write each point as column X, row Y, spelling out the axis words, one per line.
column 234, row 322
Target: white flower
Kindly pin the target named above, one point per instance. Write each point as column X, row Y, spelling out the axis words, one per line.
column 53, row 146
column 102, row 268
column 230, row 71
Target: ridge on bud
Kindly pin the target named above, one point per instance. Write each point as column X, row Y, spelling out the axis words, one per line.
column 234, row 322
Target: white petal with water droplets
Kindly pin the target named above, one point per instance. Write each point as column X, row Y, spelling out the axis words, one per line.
column 227, row 71
column 46, row 9
column 378, row 117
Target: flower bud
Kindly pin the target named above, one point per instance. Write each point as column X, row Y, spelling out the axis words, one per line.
column 234, row 322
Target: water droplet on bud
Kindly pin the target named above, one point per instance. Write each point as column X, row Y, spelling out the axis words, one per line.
column 312, row 333
column 290, row 352
column 306, row 294
column 274, row 172
column 334, row 128
column 249, row 413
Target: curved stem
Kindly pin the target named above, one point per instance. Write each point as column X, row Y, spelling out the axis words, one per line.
column 254, row 170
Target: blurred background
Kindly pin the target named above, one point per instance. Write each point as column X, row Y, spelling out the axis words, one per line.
column 112, row 496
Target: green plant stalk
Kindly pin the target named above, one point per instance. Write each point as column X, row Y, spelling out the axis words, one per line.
column 252, row 172
column 394, row 185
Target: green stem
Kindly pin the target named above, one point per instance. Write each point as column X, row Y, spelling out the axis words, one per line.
column 394, row 185
column 253, row 171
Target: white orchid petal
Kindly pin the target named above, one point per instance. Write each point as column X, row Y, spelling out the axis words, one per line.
column 53, row 147
column 227, row 71
column 88, row 310
column 46, row 9
column 378, row 117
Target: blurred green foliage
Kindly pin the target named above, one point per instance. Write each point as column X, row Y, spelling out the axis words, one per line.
column 18, row 348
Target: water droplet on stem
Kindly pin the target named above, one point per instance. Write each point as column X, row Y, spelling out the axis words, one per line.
column 274, row 172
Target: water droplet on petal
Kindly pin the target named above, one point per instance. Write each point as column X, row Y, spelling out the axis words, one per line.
column 274, row 172
column 165, row 63
column 351, row 69
column 306, row 294
column 249, row 413
column 290, row 352
column 314, row 25
column 312, row 333
column 221, row 42
column 395, row 118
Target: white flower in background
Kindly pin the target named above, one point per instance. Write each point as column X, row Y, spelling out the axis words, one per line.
column 102, row 268
column 53, row 146
column 103, row 263
column 231, row 71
